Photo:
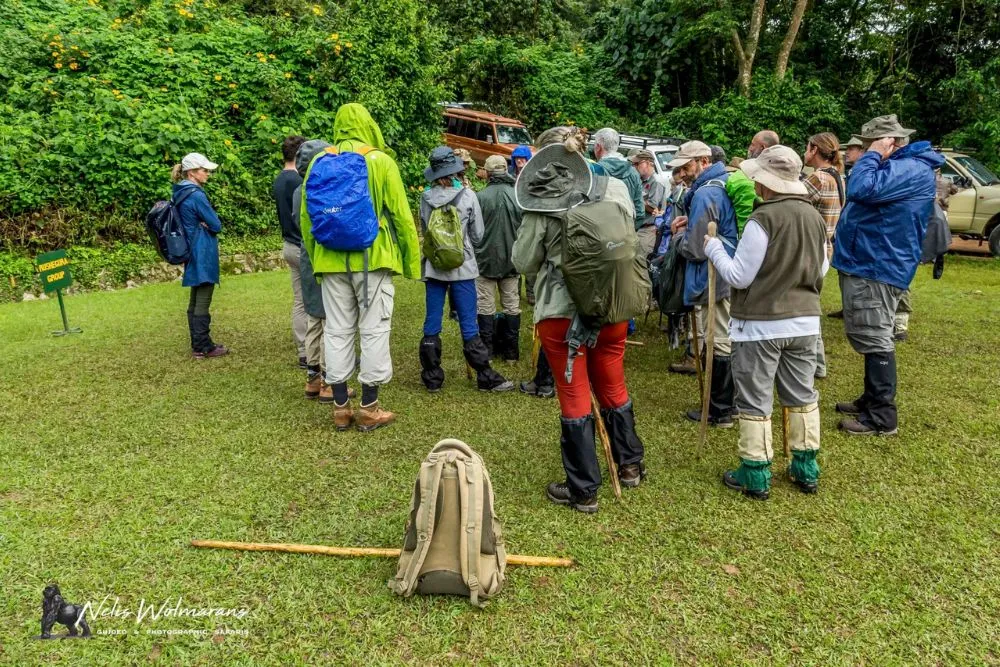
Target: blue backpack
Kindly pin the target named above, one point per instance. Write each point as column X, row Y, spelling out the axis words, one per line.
column 338, row 202
column 163, row 222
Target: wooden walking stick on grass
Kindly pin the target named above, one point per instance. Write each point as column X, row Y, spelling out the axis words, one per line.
column 709, row 349
column 355, row 552
column 696, row 347
column 602, row 433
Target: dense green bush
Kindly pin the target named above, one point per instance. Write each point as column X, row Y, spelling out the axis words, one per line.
column 98, row 98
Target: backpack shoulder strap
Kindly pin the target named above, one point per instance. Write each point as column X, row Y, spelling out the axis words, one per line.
column 470, row 490
column 184, row 195
column 839, row 181
column 430, row 482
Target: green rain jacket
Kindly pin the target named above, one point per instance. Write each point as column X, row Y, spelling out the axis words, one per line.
column 396, row 247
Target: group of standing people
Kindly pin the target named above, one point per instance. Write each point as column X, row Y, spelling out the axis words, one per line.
column 776, row 232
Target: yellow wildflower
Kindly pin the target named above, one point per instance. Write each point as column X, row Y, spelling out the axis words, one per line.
column 335, row 37
column 58, row 65
column 55, row 55
column 232, row 85
column 218, row 77
column 263, row 117
column 288, row 75
column 236, row 107
column 116, row 92
column 170, row 49
column 348, row 45
column 228, row 143
column 73, row 66
column 317, row 10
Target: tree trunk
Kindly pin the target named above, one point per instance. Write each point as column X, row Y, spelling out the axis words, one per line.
column 745, row 54
column 786, row 45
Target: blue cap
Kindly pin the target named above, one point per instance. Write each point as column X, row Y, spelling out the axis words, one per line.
column 522, row 151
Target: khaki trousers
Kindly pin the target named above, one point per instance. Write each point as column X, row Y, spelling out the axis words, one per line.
column 343, row 300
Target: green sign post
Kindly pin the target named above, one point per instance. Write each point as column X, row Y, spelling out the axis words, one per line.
column 53, row 271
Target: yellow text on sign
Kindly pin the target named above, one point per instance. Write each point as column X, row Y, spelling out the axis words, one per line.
column 52, row 277
column 54, row 264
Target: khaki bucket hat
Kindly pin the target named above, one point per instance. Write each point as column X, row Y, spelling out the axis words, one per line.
column 882, row 127
column 778, row 169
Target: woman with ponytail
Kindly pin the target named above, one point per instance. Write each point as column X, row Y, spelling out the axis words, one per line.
column 201, row 272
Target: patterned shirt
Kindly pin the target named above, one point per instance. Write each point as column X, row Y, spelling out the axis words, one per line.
column 825, row 197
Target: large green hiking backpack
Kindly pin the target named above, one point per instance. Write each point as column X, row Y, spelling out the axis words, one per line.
column 602, row 263
column 452, row 544
column 444, row 245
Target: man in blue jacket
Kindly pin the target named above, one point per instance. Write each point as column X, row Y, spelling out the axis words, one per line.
column 706, row 201
column 890, row 197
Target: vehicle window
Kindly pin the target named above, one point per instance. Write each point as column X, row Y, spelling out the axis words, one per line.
column 509, row 134
column 485, row 132
column 978, row 170
column 471, row 128
column 452, row 125
column 663, row 157
column 948, row 172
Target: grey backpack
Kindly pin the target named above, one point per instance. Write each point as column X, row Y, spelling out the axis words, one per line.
column 452, row 543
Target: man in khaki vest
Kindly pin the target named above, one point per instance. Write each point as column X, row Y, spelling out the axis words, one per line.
column 776, row 276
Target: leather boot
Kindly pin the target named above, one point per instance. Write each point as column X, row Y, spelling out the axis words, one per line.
column 685, row 366
column 512, row 343
column 371, row 417
column 432, row 375
column 625, row 444
column 314, row 385
column 478, row 358
column 343, row 416
column 579, row 456
column 499, row 347
column 486, row 331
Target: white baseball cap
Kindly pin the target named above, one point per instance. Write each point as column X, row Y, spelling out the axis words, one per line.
column 197, row 161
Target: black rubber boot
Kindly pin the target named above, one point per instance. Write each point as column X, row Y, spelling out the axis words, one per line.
column 191, row 330
column 625, row 443
column 201, row 340
column 543, row 385
column 512, row 343
column 722, row 403
column 478, row 358
column 499, row 336
column 880, row 379
column 432, row 375
column 579, row 456
column 486, row 331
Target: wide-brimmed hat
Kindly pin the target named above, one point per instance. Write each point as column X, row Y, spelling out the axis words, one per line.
column 778, row 169
column 639, row 156
column 855, row 140
column 555, row 180
column 882, row 127
column 444, row 163
column 689, row 151
column 495, row 164
column 197, row 161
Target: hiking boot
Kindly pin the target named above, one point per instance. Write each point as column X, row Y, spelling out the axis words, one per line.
column 560, row 494
column 343, row 416
column 723, row 421
column 532, row 389
column 371, row 417
column 837, row 314
column 684, row 367
column 855, row 427
column 315, row 386
column 217, row 351
column 729, row 479
column 497, row 384
column 851, row 408
column 631, row 476
column 804, row 487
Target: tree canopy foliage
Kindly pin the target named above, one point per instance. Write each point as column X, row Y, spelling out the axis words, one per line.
column 99, row 97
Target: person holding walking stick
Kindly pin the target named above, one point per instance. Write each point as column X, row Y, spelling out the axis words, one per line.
column 776, row 276
column 555, row 187
column 706, row 201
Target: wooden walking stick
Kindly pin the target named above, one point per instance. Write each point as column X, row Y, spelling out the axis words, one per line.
column 696, row 347
column 602, row 433
column 512, row 559
column 709, row 349
column 785, row 418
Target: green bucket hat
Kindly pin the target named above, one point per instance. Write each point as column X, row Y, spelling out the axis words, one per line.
column 882, row 127
column 555, row 180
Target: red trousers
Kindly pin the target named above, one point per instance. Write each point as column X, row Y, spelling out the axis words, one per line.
column 601, row 367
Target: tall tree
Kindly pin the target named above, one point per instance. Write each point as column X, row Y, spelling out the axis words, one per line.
column 781, row 66
column 746, row 50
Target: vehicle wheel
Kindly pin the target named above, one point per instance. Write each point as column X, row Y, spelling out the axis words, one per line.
column 995, row 241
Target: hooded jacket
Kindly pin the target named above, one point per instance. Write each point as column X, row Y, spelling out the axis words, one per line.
column 203, row 267
column 501, row 220
column 464, row 199
column 706, row 202
column 881, row 230
column 396, row 247
column 616, row 165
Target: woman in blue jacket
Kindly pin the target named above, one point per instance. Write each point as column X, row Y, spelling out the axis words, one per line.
column 201, row 225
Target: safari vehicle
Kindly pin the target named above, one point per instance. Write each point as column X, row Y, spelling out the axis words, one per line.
column 974, row 212
column 664, row 148
column 482, row 133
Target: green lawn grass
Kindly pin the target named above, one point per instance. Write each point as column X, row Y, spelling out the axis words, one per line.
column 116, row 449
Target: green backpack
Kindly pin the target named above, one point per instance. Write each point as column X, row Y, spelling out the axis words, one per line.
column 444, row 245
column 602, row 263
column 452, row 544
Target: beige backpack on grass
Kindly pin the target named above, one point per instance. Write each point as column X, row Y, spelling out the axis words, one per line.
column 452, row 544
